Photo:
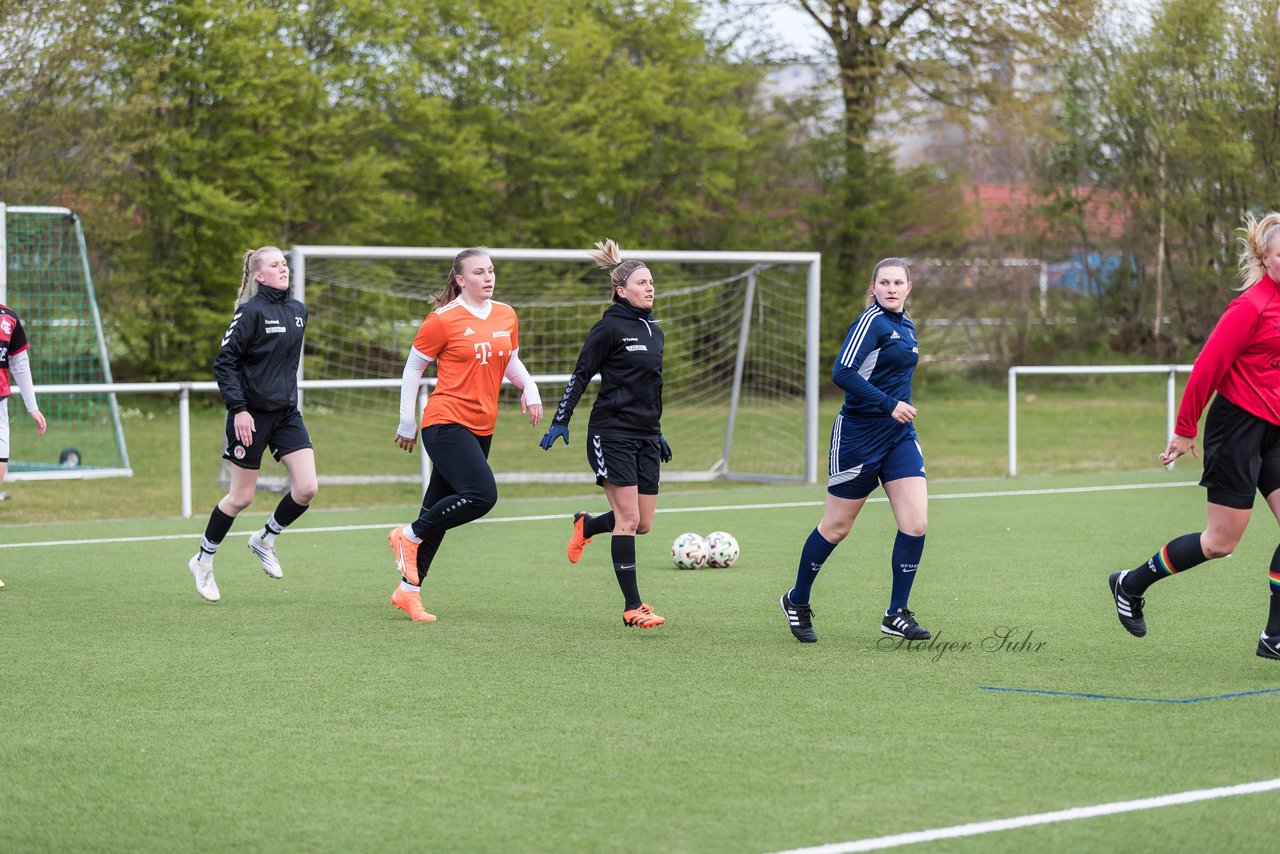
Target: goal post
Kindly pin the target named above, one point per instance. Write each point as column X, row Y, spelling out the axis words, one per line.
column 45, row 278
column 740, row 396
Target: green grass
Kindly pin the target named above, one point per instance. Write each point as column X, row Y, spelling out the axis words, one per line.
column 1114, row 424
column 307, row 714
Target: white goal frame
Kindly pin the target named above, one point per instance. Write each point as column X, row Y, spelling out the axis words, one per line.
column 298, row 256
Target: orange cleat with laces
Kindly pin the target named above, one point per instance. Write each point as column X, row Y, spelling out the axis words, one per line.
column 577, row 541
column 642, row 617
column 410, row 601
column 406, row 551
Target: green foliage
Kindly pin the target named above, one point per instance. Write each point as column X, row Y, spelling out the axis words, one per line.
column 1177, row 121
column 547, row 123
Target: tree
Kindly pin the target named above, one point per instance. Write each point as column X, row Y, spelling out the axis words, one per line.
column 1181, row 121
column 975, row 57
column 55, row 128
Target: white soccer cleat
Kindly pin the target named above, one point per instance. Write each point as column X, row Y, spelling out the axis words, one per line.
column 203, row 574
column 267, row 554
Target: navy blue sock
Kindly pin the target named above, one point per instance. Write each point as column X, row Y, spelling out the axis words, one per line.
column 601, row 524
column 623, row 550
column 814, row 554
column 906, row 560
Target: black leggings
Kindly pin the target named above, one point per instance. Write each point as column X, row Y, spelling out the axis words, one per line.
column 461, row 488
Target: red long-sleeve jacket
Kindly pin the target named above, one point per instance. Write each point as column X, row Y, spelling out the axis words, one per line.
column 1240, row 361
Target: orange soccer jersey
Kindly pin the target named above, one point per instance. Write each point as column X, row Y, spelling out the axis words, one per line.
column 471, row 355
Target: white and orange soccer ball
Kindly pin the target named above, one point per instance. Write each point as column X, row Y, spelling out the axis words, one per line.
column 722, row 549
column 689, row 551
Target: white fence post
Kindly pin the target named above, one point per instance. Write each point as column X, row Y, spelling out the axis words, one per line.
column 1170, row 394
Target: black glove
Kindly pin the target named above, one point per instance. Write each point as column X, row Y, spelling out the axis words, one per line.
column 555, row 431
column 664, row 450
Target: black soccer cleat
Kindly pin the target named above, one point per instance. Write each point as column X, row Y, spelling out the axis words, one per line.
column 903, row 624
column 1128, row 606
column 1269, row 647
column 799, row 619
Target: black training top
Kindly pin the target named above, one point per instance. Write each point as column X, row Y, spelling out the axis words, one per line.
column 625, row 348
column 257, row 367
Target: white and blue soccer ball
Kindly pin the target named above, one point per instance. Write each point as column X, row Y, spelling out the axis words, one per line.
column 689, row 551
column 722, row 549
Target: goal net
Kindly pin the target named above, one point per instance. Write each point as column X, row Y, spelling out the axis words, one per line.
column 44, row 277
column 740, row 359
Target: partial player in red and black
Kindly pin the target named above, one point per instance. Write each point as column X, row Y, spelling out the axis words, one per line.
column 1240, row 362
column 15, row 362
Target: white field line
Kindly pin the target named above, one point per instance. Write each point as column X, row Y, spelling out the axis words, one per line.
column 561, row 516
column 978, row 828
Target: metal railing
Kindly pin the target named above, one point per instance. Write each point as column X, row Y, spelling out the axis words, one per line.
column 1171, row 392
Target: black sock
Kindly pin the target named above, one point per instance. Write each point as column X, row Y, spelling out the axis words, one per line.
column 1177, row 556
column 287, row 512
column 214, row 533
column 623, row 550
column 1273, row 621
column 592, row 525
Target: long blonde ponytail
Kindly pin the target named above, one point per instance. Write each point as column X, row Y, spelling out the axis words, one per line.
column 609, row 256
column 252, row 264
column 1258, row 236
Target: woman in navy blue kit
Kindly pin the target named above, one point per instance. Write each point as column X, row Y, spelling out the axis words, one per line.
column 873, row 441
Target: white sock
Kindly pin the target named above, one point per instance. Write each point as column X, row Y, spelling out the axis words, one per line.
column 409, row 535
column 409, row 588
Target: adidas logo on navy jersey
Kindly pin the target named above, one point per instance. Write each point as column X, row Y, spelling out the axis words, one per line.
column 894, row 334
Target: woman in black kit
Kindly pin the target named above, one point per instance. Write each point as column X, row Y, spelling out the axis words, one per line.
column 257, row 373
column 625, row 442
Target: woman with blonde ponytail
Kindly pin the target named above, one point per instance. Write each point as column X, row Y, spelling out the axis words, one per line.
column 1240, row 364
column 257, row 373
column 475, row 342
column 625, row 443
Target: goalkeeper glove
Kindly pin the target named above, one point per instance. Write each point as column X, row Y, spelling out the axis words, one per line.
column 555, row 431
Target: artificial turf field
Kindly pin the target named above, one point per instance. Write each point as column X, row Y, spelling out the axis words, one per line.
column 307, row 714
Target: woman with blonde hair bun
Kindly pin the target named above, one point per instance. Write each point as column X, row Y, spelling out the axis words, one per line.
column 1240, row 363
column 625, row 443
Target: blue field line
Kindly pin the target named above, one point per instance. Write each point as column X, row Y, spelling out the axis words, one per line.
column 1085, row 696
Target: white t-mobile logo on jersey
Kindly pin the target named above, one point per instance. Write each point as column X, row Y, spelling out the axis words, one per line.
column 483, row 350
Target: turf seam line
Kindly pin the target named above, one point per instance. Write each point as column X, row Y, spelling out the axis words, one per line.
column 1089, row 696
column 1073, row 814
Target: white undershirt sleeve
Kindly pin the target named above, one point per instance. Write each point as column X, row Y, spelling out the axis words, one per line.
column 20, row 369
column 521, row 379
column 409, row 382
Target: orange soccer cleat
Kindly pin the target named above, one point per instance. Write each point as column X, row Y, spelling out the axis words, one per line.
column 406, row 551
column 410, row 601
column 642, row 617
column 577, row 541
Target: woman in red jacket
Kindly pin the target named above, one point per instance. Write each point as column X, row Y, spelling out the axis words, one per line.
column 1241, row 363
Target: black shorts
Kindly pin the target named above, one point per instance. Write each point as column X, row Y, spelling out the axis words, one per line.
column 281, row 430
column 1241, row 455
column 625, row 462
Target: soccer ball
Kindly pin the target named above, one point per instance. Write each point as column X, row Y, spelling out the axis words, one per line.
column 689, row 551
column 722, row 549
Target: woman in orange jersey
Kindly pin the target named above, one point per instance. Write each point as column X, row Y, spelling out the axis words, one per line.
column 474, row 342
